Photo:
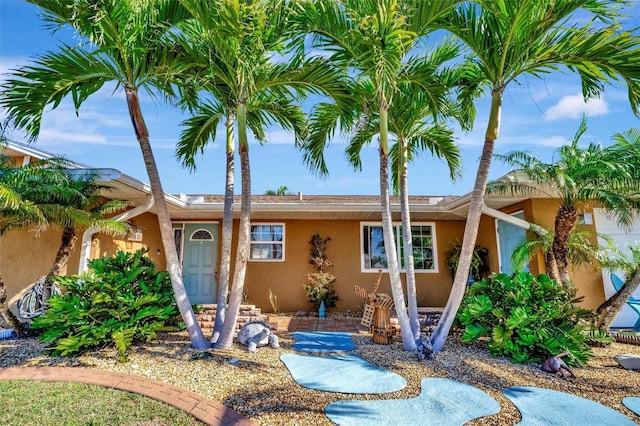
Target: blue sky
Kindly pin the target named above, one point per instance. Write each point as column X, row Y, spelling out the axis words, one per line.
column 538, row 115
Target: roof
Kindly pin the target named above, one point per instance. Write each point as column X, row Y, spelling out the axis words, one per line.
column 279, row 207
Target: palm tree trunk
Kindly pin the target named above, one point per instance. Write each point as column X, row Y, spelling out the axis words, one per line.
column 389, row 240
column 227, row 236
column 198, row 340
column 566, row 220
column 244, row 231
column 407, row 238
column 68, row 241
column 6, row 313
column 439, row 336
column 615, row 303
column 552, row 266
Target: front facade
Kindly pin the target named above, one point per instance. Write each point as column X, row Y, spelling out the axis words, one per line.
column 281, row 228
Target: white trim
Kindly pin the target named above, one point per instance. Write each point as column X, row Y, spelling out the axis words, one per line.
column 251, row 242
column 397, row 226
column 181, row 224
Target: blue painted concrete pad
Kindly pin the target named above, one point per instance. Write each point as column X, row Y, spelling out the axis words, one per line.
column 442, row 402
column 632, row 403
column 323, row 342
column 341, row 373
column 547, row 407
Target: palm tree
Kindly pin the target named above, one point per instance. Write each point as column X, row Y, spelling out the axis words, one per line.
column 17, row 212
column 66, row 198
column 582, row 248
column 512, row 39
column 282, row 190
column 123, row 43
column 411, row 123
column 88, row 211
column 606, row 177
column 13, row 209
column 375, row 39
column 629, row 264
column 240, row 38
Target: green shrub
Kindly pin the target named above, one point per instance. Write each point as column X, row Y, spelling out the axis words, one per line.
column 122, row 299
column 526, row 318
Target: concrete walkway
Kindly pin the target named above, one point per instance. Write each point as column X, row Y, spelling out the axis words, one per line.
column 204, row 409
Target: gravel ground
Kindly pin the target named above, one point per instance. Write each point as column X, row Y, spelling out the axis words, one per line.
column 259, row 386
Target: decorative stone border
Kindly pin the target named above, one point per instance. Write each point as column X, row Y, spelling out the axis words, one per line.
column 625, row 338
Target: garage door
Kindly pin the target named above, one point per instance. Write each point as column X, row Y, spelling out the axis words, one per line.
column 606, row 225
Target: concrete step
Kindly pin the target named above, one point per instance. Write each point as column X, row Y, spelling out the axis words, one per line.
column 206, row 318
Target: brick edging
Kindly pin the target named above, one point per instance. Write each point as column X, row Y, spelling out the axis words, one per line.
column 204, row 409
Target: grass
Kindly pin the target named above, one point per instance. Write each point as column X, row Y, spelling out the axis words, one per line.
column 62, row 403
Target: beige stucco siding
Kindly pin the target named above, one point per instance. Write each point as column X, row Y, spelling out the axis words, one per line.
column 25, row 256
column 286, row 279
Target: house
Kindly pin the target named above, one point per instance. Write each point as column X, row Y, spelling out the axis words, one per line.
column 281, row 227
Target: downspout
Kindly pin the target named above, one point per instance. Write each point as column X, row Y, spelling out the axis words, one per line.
column 514, row 220
column 89, row 233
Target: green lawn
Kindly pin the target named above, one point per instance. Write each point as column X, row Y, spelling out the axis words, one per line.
column 62, row 403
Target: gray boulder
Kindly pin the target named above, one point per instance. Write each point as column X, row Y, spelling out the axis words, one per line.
column 629, row 361
column 257, row 333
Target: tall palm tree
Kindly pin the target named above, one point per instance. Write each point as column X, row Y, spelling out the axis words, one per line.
column 374, row 39
column 240, row 39
column 510, row 39
column 411, row 122
column 123, row 42
column 606, row 177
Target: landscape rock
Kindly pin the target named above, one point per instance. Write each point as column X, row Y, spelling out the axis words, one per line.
column 628, row 361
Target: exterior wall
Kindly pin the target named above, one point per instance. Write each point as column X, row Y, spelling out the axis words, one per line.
column 286, row 279
column 587, row 278
column 25, row 256
column 105, row 245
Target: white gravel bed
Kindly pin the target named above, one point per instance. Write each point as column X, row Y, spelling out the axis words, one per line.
column 259, row 385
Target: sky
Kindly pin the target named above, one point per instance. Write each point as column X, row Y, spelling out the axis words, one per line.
column 539, row 115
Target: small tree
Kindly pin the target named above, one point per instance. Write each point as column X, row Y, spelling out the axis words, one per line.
column 629, row 264
column 320, row 284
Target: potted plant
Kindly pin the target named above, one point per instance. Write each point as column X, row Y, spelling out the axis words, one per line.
column 479, row 264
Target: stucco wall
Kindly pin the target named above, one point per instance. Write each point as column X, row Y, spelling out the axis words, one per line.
column 286, row 279
column 105, row 245
column 587, row 279
column 25, row 256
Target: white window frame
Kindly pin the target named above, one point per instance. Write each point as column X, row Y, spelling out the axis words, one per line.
column 398, row 228
column 252, row 242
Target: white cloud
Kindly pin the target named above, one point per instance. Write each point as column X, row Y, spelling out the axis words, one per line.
column 574, row 106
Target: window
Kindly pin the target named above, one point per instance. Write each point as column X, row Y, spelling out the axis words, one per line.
column 267, row 242
column 177, row 237
column 201, row 235
column 423, row 240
